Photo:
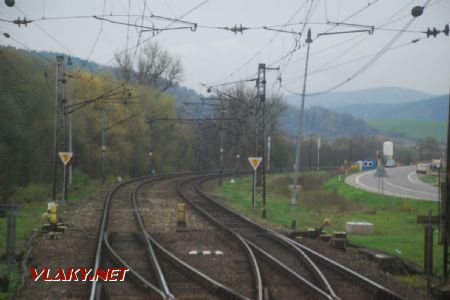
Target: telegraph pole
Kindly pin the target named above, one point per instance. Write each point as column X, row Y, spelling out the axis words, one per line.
column 300, row 133
column 446, row 208
column 310, row 152
column 269, row 147
column 221, row 148
column 103, row 144
column 318, row 152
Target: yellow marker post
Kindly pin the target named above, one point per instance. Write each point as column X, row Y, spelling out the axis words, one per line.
column 181, row 215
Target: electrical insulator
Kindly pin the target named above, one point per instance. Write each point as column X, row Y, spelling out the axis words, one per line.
column 446, row 30
column 309, row 39
column 433, row 32
column 10, row 3
column 417, row 11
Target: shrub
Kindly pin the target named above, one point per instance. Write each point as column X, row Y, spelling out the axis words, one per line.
column 32, row 193
column 80, row 179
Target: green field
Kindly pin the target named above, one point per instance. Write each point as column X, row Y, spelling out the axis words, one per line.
column 325, row 196
column 412, row 128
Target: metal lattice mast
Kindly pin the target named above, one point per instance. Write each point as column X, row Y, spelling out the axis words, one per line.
column 261, row 132
column 59, row 123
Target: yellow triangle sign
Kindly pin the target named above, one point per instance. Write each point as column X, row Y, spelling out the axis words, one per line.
column 65, row 157
column 255, row 161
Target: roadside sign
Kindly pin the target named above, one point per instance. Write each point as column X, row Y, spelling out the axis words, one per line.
column 255, row 161
column 65, row 157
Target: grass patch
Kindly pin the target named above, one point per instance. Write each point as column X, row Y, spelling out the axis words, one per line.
column 429, row 179
column 412, row 128
column 32, row 202
column 324, row 196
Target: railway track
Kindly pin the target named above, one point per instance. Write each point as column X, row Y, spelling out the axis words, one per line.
column 280, row 268
column 154, row 272
column 295, row 261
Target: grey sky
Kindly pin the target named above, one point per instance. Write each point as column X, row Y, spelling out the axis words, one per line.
column 214, row 56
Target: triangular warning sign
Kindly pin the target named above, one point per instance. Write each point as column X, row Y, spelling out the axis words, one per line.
column 65, row 157
column 255, row 161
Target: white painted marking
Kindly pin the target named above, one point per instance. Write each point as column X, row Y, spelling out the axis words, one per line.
column 359, row 183
column 409, row 190
column 410, row 178
column 385, row 192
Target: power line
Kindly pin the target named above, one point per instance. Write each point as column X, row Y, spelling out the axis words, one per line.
column 321, row 69
column 46, row 32
column 289, row 55
column 157, row 33
column 370, row 62
column 365, row 37
column 380, row 27
column 264, row 46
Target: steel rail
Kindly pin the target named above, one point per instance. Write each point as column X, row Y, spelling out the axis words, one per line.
column 312, row 288
column 212, row 285
column 244, row 244
column 344, row 271
column 95, row 287
column 148, row 245
column 274, row 261
column 102, row 229
column 319, row 258
column 138, row 277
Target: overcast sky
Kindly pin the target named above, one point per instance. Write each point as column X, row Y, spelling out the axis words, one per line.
column 212, row 55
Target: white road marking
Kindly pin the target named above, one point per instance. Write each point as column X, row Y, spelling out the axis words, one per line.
column 359, row 183
column 408, row 190
column 410, row 178
column 369, row 188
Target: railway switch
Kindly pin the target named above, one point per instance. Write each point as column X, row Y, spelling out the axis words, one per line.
column 312, row 232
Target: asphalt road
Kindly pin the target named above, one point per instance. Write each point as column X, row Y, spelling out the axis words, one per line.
column 400, row 182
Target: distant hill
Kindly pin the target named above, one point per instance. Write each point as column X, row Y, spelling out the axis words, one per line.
column 321, row 121
column 383, row 95
column 76, row 61
column 435, row 108
column 412, row 129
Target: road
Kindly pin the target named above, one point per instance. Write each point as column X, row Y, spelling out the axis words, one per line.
column 401, row 182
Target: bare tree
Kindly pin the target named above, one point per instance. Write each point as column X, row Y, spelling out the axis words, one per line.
column 237, row 108
column 158, row 68
column 154, row 67
column 125, row 63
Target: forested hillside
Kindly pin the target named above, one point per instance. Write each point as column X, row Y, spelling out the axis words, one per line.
column 321, row 121
column 27, row 97
column 435, row 109
column 142, row 119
